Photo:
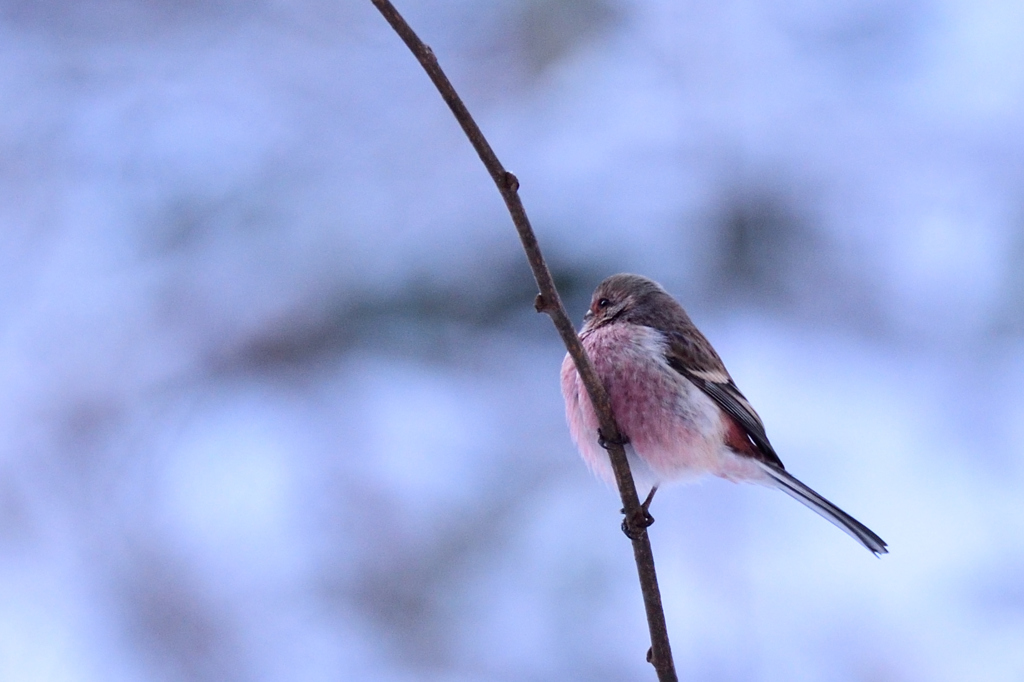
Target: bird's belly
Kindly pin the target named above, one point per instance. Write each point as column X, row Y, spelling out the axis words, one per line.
column 673, row 426
column 674, row 429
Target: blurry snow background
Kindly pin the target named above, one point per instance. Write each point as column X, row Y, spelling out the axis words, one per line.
column 275, row 404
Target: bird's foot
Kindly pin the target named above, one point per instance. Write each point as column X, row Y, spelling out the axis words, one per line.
column 606, row 443
column 635, row 524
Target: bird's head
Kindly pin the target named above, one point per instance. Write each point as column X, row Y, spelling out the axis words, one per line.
column 622, row 297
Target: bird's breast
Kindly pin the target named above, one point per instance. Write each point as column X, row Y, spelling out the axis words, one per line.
column 672, row 425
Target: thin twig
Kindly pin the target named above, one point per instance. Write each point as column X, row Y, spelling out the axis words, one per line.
column 549, row 302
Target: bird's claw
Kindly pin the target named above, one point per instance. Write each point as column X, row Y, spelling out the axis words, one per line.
column 635, row 525
column 606, row 443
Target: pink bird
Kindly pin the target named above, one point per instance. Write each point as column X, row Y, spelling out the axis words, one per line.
column 678, row 409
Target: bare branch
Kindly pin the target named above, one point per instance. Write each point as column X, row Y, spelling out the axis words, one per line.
column 548, row 301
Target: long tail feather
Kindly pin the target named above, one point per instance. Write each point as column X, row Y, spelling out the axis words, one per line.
column 800, row 492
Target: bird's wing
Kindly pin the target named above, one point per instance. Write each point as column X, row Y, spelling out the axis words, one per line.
column 692, row 356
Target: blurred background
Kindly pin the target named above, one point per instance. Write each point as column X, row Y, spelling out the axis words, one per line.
column 276, row 405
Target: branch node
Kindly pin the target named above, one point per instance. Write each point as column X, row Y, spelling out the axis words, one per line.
column 511, row 182
column 650, row 656
column 542, row 305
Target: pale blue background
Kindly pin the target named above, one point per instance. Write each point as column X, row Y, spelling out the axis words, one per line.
column 275, row 405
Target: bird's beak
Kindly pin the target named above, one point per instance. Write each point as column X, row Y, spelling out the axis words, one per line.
column 588, row 317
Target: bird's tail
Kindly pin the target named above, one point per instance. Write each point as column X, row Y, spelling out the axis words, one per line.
column 800, row 492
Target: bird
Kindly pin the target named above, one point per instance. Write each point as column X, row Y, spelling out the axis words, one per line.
column 679, row 412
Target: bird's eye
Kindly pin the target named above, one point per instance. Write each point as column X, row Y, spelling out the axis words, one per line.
column 603, row 303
